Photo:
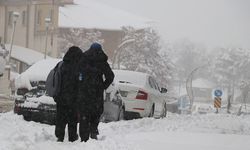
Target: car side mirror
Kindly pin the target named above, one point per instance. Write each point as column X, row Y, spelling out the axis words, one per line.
column 164, row 90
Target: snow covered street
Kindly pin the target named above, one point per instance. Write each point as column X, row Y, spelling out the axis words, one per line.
column 178, row 132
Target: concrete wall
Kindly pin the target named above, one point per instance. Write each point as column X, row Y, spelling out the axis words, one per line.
column 2, row 22
column 4, row 84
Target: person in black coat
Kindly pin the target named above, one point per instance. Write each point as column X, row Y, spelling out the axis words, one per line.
column 67, row 100
column 93, row 66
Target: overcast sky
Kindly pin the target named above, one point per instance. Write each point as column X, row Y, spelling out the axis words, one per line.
column 211, row 22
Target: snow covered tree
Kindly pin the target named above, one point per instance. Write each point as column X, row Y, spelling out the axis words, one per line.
column 188, row 56
column 139, row 51
column 231, row 68
column 78, row 37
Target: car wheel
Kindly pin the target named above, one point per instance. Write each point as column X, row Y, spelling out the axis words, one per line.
column 164, row 113
column 151, row 114
column 27, row 118
column 121, row 114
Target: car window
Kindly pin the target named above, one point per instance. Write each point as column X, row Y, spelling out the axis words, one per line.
column 156, row 85
column 151, row 83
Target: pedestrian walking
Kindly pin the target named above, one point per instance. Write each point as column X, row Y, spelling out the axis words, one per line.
column 66, row 100
column 93, row 66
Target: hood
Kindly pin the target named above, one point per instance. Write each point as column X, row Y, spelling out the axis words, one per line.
column 95, row 53
column 73, row 54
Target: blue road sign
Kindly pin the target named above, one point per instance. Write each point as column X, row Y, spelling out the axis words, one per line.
column 218, row 93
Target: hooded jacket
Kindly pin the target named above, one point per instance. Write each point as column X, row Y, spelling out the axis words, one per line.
column 69, row 70
column 94, row 65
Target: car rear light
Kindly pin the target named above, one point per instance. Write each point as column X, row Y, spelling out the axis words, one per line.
column 141, row 95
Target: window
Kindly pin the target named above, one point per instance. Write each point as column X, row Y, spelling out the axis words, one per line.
column 51, row 15
column 24, row 18
column 10, row 18
column 38, row 17
column 151, row 83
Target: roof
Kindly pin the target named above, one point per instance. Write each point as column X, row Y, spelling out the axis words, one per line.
column 25, row 55
column 126, row 76
column 93, row 15
column 203, row 83
column 37, row 72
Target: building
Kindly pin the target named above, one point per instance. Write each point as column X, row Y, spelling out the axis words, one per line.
column 31, row 27
column 95, row 16
column 30, row 32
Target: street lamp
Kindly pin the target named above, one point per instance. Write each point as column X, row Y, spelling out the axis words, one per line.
column 47, row 23
column 15, row 17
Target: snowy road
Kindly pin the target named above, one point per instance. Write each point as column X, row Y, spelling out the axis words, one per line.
column 177, row 132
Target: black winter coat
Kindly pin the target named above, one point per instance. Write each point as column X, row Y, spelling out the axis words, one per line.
column 94, row 66
column 69, row 83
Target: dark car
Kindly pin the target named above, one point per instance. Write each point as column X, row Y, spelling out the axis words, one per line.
column 32, row 102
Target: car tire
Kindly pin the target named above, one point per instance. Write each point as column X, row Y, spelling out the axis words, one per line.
column 164, row 113
column 27, row 117
column 121, row 114
column 151, row 114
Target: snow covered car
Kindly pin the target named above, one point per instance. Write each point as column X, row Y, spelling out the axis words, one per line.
column 32, row 102
column 141, row 94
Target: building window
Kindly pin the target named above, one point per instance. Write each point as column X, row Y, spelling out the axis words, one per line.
column 38, row 17
column 10, row 18
column 24, row 18
column 51, row 15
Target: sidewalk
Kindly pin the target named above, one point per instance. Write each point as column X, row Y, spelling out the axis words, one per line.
column 6, row 104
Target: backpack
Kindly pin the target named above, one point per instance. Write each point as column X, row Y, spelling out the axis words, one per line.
column 53, row 81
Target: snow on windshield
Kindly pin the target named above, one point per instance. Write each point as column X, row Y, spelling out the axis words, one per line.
column 125, row 76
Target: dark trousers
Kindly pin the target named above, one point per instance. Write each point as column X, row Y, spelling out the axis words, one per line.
column 88, row 124
column 66, row 115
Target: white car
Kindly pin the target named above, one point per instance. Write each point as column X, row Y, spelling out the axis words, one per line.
column 141, row 94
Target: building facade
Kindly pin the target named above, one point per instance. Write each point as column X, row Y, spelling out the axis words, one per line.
column 30, row 32
column 31, row 27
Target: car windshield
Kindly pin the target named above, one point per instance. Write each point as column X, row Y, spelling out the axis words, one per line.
column 130, row 77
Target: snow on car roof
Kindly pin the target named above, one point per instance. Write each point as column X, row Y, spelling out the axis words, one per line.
column 133, row 77
column 37, row 72
column 90, row 14
column 25, row 55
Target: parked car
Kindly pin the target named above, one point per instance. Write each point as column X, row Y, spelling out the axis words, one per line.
column 141, row 94
column 32, row 102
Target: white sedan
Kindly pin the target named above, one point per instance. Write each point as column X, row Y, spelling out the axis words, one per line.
column 141, row 94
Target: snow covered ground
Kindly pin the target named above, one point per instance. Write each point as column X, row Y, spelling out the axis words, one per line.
column 177, row 132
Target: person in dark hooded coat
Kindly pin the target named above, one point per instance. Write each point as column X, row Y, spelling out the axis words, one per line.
column 67, row 100
column 93, row 66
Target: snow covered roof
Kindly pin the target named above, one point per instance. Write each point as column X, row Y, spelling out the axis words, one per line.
column 203, row 83
column 25, row 55
column 126, row 76
column 37, row 72
column 94, row 15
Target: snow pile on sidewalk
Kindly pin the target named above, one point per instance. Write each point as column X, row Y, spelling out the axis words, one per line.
column 178, row 132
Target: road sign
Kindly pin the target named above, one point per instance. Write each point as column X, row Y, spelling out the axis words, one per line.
column 217, row 102
column 218, row 93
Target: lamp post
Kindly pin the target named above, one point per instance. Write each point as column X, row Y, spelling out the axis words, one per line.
column 47, row 23
column 15, row 17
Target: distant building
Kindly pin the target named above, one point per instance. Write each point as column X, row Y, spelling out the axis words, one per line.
column 94, row 16
column 203, row 90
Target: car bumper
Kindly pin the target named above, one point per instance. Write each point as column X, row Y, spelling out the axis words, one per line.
column 37, row 115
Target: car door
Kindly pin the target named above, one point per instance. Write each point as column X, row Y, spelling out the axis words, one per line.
column 159, row 104
column 154, row 94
